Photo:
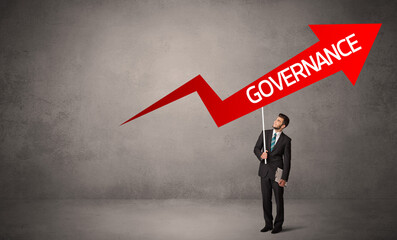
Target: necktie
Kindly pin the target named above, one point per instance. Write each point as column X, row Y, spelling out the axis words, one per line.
column 273, row 142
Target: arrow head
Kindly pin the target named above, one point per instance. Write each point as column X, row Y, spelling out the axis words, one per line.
column 364, row 34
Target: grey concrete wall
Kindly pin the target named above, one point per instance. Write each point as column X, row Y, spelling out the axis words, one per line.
column 72, row 71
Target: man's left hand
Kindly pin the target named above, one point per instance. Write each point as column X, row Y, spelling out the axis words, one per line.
column 282, row 183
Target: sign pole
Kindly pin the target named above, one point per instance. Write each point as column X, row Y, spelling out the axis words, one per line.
column 264, row 137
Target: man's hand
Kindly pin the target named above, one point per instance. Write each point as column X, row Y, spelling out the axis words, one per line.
column 264, row 155
column 282, row 183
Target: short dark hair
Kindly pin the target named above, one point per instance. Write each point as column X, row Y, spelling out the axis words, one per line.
column 285, row 119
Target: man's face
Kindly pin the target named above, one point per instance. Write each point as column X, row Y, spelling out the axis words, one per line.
column 278, row 123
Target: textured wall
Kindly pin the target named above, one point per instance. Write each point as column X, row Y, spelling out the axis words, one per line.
column 72, row 71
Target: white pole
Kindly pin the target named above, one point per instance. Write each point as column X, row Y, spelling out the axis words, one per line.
column 264, row 137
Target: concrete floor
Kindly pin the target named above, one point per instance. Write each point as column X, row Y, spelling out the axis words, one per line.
column 195, row 219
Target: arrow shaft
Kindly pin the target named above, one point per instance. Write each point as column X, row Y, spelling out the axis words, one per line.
column 284, row 80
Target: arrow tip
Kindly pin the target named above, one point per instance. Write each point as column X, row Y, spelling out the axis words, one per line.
column 364, row 34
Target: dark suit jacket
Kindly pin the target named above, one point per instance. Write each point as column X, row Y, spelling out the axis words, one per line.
column 279, row 157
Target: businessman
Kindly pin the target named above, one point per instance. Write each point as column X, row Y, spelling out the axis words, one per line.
column 278, row 154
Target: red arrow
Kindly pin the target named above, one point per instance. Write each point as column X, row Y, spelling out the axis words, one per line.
column 341, row 47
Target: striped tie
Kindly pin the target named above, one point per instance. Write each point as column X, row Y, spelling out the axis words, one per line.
column 273, row 142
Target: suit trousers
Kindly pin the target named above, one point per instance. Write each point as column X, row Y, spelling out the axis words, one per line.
column 267, row 185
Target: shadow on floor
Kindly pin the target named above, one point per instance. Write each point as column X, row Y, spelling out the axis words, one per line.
column 292, row 228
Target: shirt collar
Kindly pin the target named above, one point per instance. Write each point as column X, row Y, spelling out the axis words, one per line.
column 278, row 133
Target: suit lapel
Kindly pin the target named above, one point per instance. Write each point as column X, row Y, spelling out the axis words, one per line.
column 268, row 139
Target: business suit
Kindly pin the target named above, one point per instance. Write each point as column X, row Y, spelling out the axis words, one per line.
column 279, row 157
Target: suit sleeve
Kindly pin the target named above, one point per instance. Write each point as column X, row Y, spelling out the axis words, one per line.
column 287, row 161
column 258, row 147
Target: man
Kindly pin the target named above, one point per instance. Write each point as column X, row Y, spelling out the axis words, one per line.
column 278, row 154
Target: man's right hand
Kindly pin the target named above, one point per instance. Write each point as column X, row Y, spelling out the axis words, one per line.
column 264, row 155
